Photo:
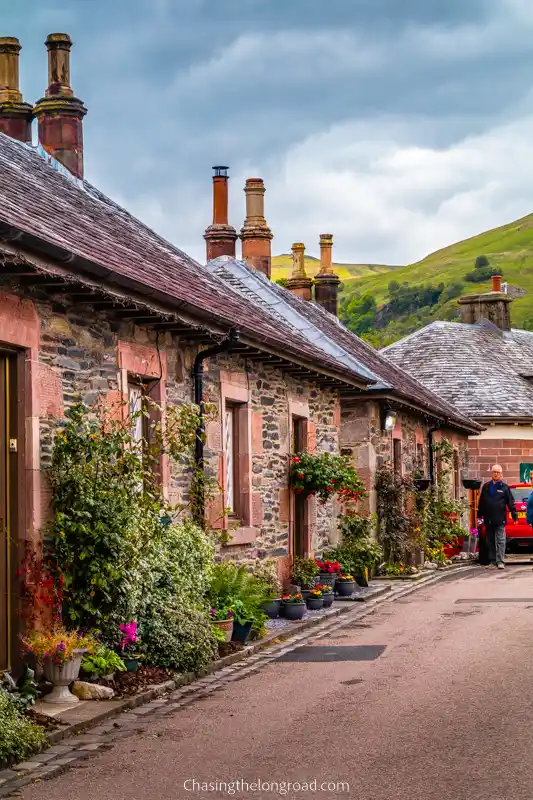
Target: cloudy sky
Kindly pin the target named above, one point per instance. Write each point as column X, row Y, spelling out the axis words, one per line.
column 398, row 126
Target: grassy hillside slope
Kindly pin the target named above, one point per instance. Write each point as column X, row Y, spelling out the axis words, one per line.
column 282, row 267
column 508, row 248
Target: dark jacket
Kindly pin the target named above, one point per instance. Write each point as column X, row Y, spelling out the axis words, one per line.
column 493, row 508
column 529, row 512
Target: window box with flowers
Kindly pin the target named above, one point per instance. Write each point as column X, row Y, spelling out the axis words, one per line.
column 325, row 474
column 293, row 606
column 60, row 653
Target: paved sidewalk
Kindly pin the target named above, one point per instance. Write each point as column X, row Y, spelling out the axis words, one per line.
column 76, row 748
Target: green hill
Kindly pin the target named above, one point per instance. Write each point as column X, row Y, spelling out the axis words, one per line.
column 282, row 267
column 508, row 250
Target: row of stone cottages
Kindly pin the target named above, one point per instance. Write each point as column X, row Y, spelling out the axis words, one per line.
column 94, row 303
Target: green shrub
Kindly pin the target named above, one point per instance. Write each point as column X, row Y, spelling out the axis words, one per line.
column 480, row 275
column 304, row 572
column 481, row 261
column 241, row 591
column 180, row 638
column 357, row 549
column 102, row 662
column 19, row 738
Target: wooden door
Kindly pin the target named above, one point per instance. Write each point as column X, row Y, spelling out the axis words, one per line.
column 8, row 502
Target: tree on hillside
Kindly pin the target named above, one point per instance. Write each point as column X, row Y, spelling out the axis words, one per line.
column 482, row 261
column 359, row 313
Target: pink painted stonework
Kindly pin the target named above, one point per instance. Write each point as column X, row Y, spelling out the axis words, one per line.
column 142, row 360
column 257, row 433
column 19, row 324
column 50, row 392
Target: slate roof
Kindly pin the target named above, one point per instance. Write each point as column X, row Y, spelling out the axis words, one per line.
column 42, row 200
column 328, row 333
column 478, row 368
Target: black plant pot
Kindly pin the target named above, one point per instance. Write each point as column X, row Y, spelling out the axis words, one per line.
column 327, row 578
column 345, row 588
column 294, row 611
column 328, row 599
column 305, row 594
column 361, row 580
column 315, row 603
column 421, row 484
column 471, row 483
column 241, row 632
column 282, row 610
column 271, row 608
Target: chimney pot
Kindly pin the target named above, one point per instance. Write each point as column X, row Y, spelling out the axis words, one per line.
column 493, row 306
column 299, row 284
column 220, row 236
column 59, row 113
column 15, row 115
column 326, row 282
column 256, row 236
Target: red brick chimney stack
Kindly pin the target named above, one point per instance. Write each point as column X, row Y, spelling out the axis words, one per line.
column 256, row 236
column 326, row 282
column 15, row 114
column 59, row 113
column 220, row 237
column 299, row 284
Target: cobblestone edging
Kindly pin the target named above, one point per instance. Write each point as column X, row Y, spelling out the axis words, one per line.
column 139, row 715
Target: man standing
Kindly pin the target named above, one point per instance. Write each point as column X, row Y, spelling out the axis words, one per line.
column 494, row 500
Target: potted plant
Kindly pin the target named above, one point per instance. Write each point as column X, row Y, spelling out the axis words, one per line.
column 245, row 616
column 129, row 646
column 325, row 474
column 328, row 571
column 315, row 600
column 327, row 595
column 222, row 617
column 345, row 585
column 293, row 606
column 60, row 653
column 304, row 573
column 101, row 663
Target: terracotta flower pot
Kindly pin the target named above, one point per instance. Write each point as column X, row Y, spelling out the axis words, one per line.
column 61, row 676
column 225, row 625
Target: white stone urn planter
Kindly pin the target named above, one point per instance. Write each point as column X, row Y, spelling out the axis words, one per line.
column 61, row 676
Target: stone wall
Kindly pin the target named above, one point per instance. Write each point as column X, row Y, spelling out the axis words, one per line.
column 84, row 355
column 371, row 448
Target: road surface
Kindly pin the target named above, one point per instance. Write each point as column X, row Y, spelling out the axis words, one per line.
column 441, row 708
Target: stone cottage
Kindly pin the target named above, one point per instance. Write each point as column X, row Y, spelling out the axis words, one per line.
column 483, row 366
column 93, row 304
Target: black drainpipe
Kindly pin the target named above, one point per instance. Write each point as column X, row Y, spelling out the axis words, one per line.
column 430, row 454
column 197, row 373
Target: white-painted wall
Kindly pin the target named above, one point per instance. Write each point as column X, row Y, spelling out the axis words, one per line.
column 506, row 432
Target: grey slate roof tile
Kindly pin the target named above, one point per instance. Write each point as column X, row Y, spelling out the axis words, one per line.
column 328, row 333
column 477, row 367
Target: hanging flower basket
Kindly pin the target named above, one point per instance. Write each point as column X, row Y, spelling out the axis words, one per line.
column 325, row 474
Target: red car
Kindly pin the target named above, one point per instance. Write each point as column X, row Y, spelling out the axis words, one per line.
column 520, row 535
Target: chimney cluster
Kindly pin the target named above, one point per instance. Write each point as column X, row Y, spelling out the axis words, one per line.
column 59, row 113
column 256, row 238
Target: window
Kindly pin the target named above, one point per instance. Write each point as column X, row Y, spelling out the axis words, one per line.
column 136, row 402
column 231, row 450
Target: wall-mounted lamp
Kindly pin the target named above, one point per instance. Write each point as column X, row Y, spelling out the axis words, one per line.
column 389, row 420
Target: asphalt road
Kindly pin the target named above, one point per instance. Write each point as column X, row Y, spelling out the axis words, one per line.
column 442, row 708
